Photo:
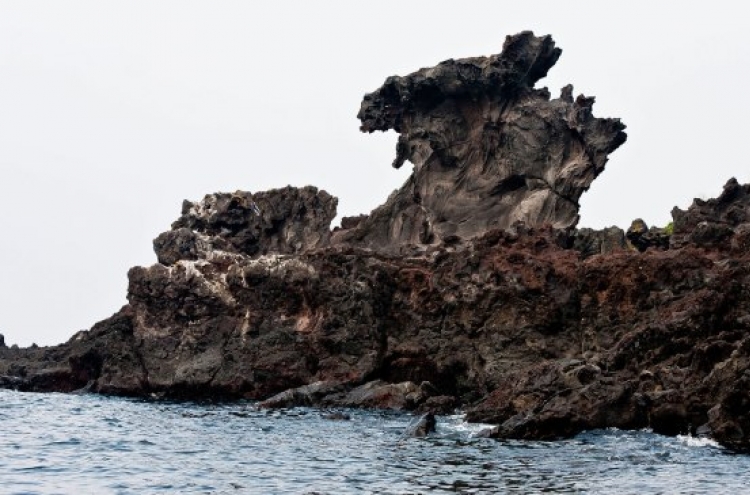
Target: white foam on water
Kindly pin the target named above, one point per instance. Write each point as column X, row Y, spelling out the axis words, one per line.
column 457, row 423
column 692, row 441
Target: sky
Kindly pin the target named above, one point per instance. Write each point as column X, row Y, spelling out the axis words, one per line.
column 112, row 113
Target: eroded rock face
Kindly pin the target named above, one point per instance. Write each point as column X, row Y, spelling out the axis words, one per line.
column 591, row 242
column 488, row 149
column 543, row 339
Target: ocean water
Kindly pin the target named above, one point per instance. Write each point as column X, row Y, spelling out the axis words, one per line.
column 69, row 444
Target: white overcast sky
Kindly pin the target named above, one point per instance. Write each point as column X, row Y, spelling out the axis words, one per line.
column 113, row 112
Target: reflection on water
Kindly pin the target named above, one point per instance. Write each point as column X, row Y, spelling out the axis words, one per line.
column 53, row 443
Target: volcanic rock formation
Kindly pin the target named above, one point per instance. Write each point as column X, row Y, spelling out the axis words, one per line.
column 284, row 221
column 721, row 223
column 488, row 149
column 467, row 288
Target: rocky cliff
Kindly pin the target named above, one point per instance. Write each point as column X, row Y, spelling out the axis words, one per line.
column 467, row 288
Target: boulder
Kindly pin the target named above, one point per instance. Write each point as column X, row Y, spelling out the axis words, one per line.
column 640, row 237
column 591, row 242
column 423, row 427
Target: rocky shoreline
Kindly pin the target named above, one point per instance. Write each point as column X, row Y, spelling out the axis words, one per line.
column 469, row 287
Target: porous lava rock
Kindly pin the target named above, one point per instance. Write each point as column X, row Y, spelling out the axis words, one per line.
column 283, row 221
column 722, row 223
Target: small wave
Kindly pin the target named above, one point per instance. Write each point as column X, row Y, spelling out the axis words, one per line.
column 457, row 423
column 70, row 441
column 692, row 441
column 52, row 449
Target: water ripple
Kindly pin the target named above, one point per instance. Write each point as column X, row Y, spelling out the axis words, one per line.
column 60, row 444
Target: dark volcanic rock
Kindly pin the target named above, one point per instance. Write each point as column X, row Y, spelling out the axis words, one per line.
column 715, row 222
column 307, row 395
column 488, row 149
column 641, row 237
column 536, row 328
column 289, row 220
column 544, row 341
column 423, row 427
column 590, row 242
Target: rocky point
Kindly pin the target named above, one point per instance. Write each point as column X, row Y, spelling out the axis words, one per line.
column 468, row 288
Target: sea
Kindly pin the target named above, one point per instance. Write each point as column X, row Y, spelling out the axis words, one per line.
column 90, row 444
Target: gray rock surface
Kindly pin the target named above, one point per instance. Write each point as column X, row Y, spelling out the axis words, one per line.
column 423, row 427
column 285, row 221
column 488, row 149
column 591, row 242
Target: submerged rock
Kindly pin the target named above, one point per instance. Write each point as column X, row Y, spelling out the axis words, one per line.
column 307, row 395
column 336, row 416
column 423, row 427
